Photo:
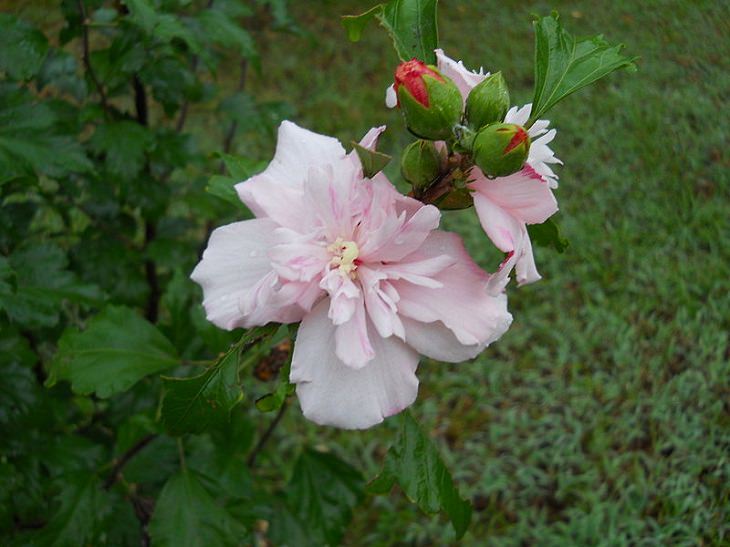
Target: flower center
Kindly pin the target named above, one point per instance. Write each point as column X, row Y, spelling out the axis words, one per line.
column 344, row 257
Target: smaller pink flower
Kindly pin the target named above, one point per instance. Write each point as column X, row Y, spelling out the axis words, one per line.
column 364, row 269
column 506, row 205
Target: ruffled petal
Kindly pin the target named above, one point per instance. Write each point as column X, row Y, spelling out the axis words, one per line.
column 461, row 303
column 277, row 191
column 524, row 194
column 331, row 393
column 437, row 341
column 352, row 342
column 510, row 236
column 235, row 270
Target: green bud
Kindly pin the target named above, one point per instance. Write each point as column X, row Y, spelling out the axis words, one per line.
column 431, row 103
column 488, row 102
column 420, row 164
column 501, row 149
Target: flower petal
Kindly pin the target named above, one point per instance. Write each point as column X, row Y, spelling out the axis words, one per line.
column 524, row 194
column 235, row 269
column 461, row 303
column 331, row 393
column 277, row 191
column 464, row 78
column 437, row 341
column 352, row 342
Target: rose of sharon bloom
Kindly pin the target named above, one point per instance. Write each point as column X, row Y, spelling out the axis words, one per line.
column 505, row 205
column 361, row 266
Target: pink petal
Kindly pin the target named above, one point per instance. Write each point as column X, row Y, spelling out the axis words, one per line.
column 438, row 342
column 331, row 393
column 524, row 195
column 352, row 343
column 464, row 78
column 277, row 191
column 394, row 241
column 234, row 269
column 510, row 236
column 462, row 303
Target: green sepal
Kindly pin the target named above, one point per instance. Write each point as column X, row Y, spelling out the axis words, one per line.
column 372, row 161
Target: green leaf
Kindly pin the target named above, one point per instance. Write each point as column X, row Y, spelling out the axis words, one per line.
column 241, row 167
column 194, row 405
column 117, row 349
column 225, row 31
column 321, row 495
column 372, row 161
column 355, row 24
column 124, row 145
column 22, row 48
column 34, row 282
column 187, row 516
column 415, row 464
column 411, row 25
column 82, row 505
column 163, row 26
column 223, row 187
column 564, row 64
column 30, row 139
column 548, row 234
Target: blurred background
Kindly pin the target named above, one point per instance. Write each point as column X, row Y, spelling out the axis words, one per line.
column 603, row 415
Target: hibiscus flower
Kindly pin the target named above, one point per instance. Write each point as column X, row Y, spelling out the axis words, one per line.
column 364, row 269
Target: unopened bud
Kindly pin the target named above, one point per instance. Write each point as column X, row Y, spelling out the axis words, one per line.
column 488, row 102
column 420, row 163
column 501, row 149
column 431, row 103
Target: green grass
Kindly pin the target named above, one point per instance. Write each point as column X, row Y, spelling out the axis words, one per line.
column 602, row 416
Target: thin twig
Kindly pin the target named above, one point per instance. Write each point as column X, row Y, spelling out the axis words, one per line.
column 267, row 435
column 231, row 133
column 87, row 56
column 116, row 472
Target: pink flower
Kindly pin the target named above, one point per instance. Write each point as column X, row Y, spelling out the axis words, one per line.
column 505, row 205
column 361, row 266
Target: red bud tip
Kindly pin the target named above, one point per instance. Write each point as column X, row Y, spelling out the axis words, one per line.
column 410, row 74
column 519, row 137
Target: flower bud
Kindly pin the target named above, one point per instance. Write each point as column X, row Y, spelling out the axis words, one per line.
column 488, row 102
column 431, row 103
column 501, row 149
column 420, row 164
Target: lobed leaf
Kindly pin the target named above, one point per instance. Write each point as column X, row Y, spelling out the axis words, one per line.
column 415, row 464
column 320, row 498
column 194, row 405
column 564, row 64
column 117, row 349
column 187, row 516
column 411, row 25
column 22, row 48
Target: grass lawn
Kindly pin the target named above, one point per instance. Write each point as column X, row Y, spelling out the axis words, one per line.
column 602, row 416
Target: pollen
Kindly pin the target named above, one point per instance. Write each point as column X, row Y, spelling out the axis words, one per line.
column 344, row 257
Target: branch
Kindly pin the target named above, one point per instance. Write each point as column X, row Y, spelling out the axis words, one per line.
column 267, row 435
column 87, row 56
column 228, row 140
column 116, row 472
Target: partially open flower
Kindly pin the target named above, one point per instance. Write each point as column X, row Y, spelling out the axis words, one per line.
column 430, row 102
column 364, row 269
